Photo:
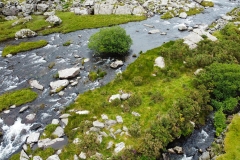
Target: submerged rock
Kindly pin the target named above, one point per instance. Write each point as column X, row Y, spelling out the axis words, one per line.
column 58, row 85
column 35, row 84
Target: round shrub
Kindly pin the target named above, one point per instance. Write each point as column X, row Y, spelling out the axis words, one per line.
column 113, row 40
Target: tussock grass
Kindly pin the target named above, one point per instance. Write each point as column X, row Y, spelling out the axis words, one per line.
column 23, row 46
column 231, row 141
column 207, row 3
column 17, row 98
column 71, row 22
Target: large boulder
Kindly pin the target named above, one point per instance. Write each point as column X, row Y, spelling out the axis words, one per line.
column 33, row 137
column 159, row 62
column 123, row 9
column 58, row 85
column 24, row 33
column 10, row 11
column 183, row 15
column 68, row 73
column 27, row 8
column 138, row 10
column 101, row 8
column 42, row 7
column 54, row 20
column 182, row 27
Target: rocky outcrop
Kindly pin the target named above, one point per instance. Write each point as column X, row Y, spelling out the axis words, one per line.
column 25, row 33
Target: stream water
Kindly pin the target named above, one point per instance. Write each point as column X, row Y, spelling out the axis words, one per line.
column 16, row 71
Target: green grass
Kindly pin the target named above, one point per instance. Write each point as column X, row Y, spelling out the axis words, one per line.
column 17, row 98
column 71, row 22
column 168, row 15
column 49, row 129
column 67, row 43
column 23, row 46
column 207, row 4
column 232, row 141
column 194, row 11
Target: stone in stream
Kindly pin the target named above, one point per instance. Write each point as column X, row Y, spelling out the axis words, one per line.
column 55, row 121
column 116, row 64
column 37, row 158
column 6, row 111
column 147, row 25
column 23, row 109
column 159, row 62
column 59, row 132
column 30, row 117
column 205, row 156
column 153, row 31
column 35, row 84
column 13, row 106
column 178, row 150
column 58, row 85
column 182, row 27
column 68, row 73
column 33, row 137
column 53, row 157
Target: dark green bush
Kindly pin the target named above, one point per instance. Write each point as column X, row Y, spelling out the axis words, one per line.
column 135, row 101
column 113, row 40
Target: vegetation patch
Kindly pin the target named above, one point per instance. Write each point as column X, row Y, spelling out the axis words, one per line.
column 17, row 98
column 67, row 43
column 207, row 3
column 231, row 141
column 168, row 15
column 194, row 11
column 94, row 75
column 71, row 22
column 49, row 129
column 23, row 46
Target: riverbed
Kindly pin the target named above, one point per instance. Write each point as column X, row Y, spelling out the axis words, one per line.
column 16, row 71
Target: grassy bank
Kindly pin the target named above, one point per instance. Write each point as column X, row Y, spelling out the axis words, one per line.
column 192, row 11
column 231, row 141
column 17, row 98
column 71, row 22
column 23, row 46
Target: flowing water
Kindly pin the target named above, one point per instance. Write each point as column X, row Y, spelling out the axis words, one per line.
column 16, row 71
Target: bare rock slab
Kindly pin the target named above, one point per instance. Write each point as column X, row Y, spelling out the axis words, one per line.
column 68, row 73
column 33, row 137
column 98, row 124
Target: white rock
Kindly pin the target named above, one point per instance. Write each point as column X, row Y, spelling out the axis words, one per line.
column 23, row 109
column 125, row 129
column 99, row 138
column 119, row 147
column 84, row 112
column 35, row 84
column 147, row 25
column 75, row 157
column 59, row 132
column 98, row 124
column 86, row 60
column 183, row 15
column 68, row 73
column 23, row 155
column 136, row 114
column 55, row 20
column 110, row 122
column 12, row 107
column 24, row 33
column 198, row 71
column 119, row 119
column 153, row 31
column 82, row 155
column 124, row 96
column 104, row 134
column 6, row 111
column 53, row 157
column 30, row 116
column 49, row 13
column 113, row 97
column 159, row 62
column 59, row 152
column 65, row 121
column 76, row 141
column 66, row 115
column 61, row 93
column 55, row 121
column 45, row 143
column 37, row 158
column 9, row 55
column 33, row 137
column 110, row 144
column 228, row 18
column 58, row 85
column 182, row 27
column 104, row 116
column 116, row 64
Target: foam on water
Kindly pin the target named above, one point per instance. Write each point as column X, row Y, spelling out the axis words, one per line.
column 186, row 158
column 13, row 137
column 204, row 136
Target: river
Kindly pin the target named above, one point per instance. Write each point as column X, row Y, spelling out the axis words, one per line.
column 16, row 71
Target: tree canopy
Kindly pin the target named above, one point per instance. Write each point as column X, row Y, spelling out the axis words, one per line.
column 113, row 40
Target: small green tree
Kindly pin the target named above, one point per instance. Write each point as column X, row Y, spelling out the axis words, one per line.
column 113, row 40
